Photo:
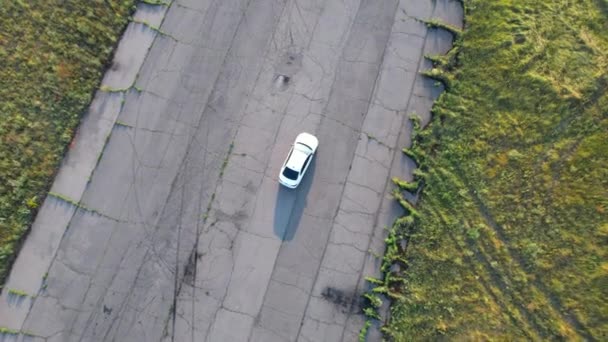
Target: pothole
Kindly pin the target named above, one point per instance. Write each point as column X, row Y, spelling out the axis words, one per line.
column 281, row 82
column 288, row 66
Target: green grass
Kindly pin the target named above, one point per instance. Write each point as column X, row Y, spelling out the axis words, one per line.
column 509, row 238
column 53, row 55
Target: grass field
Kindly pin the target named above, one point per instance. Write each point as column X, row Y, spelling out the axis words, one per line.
column 509, row 239
column 53, row 55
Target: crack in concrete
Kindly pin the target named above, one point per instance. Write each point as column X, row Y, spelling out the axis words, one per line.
column 346, row 244
column 290, row 285
column 343, row 226
column 358, row 204
column 375, row 191
column 380, row 162
column 320, row 321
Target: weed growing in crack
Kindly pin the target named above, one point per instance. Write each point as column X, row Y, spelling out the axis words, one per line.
column 79, row 205
column 153, row 28
column 373, row 299
column 122, row 124
column 437, row 24
column 156, row 2
column 109, row 89
column 29, row 334
column 364, row 329
column 64, row 198
column 440, row 76
column 406, row 186
column 146, row 24
column 18, row 293
column 205, row 216
column 7, row 331
column 225, row 162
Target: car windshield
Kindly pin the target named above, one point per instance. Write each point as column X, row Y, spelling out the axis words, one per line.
column 290, row 174
column 303, row 144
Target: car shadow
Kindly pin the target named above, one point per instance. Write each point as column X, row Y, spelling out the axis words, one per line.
column 290, row 205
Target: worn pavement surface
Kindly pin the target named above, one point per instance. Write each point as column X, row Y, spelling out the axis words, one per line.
column 166, row 221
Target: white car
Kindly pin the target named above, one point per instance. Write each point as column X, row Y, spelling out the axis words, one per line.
column 298, row 160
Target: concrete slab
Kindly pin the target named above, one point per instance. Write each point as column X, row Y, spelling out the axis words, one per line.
column 450, row 12
column 129, row 56
column 89, row 140
column 230, row 326
column 276, row 294
column 250, row 278
column 151, row 15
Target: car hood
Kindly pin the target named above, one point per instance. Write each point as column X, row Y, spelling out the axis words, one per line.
column 308, row 140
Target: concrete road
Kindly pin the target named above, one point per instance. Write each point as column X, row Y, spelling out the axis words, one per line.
column 182, row 232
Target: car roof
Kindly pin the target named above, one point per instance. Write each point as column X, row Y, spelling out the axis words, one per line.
column 297, row 158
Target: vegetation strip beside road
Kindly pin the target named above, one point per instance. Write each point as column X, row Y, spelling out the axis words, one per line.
column 509, row 237
column 54, row 55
